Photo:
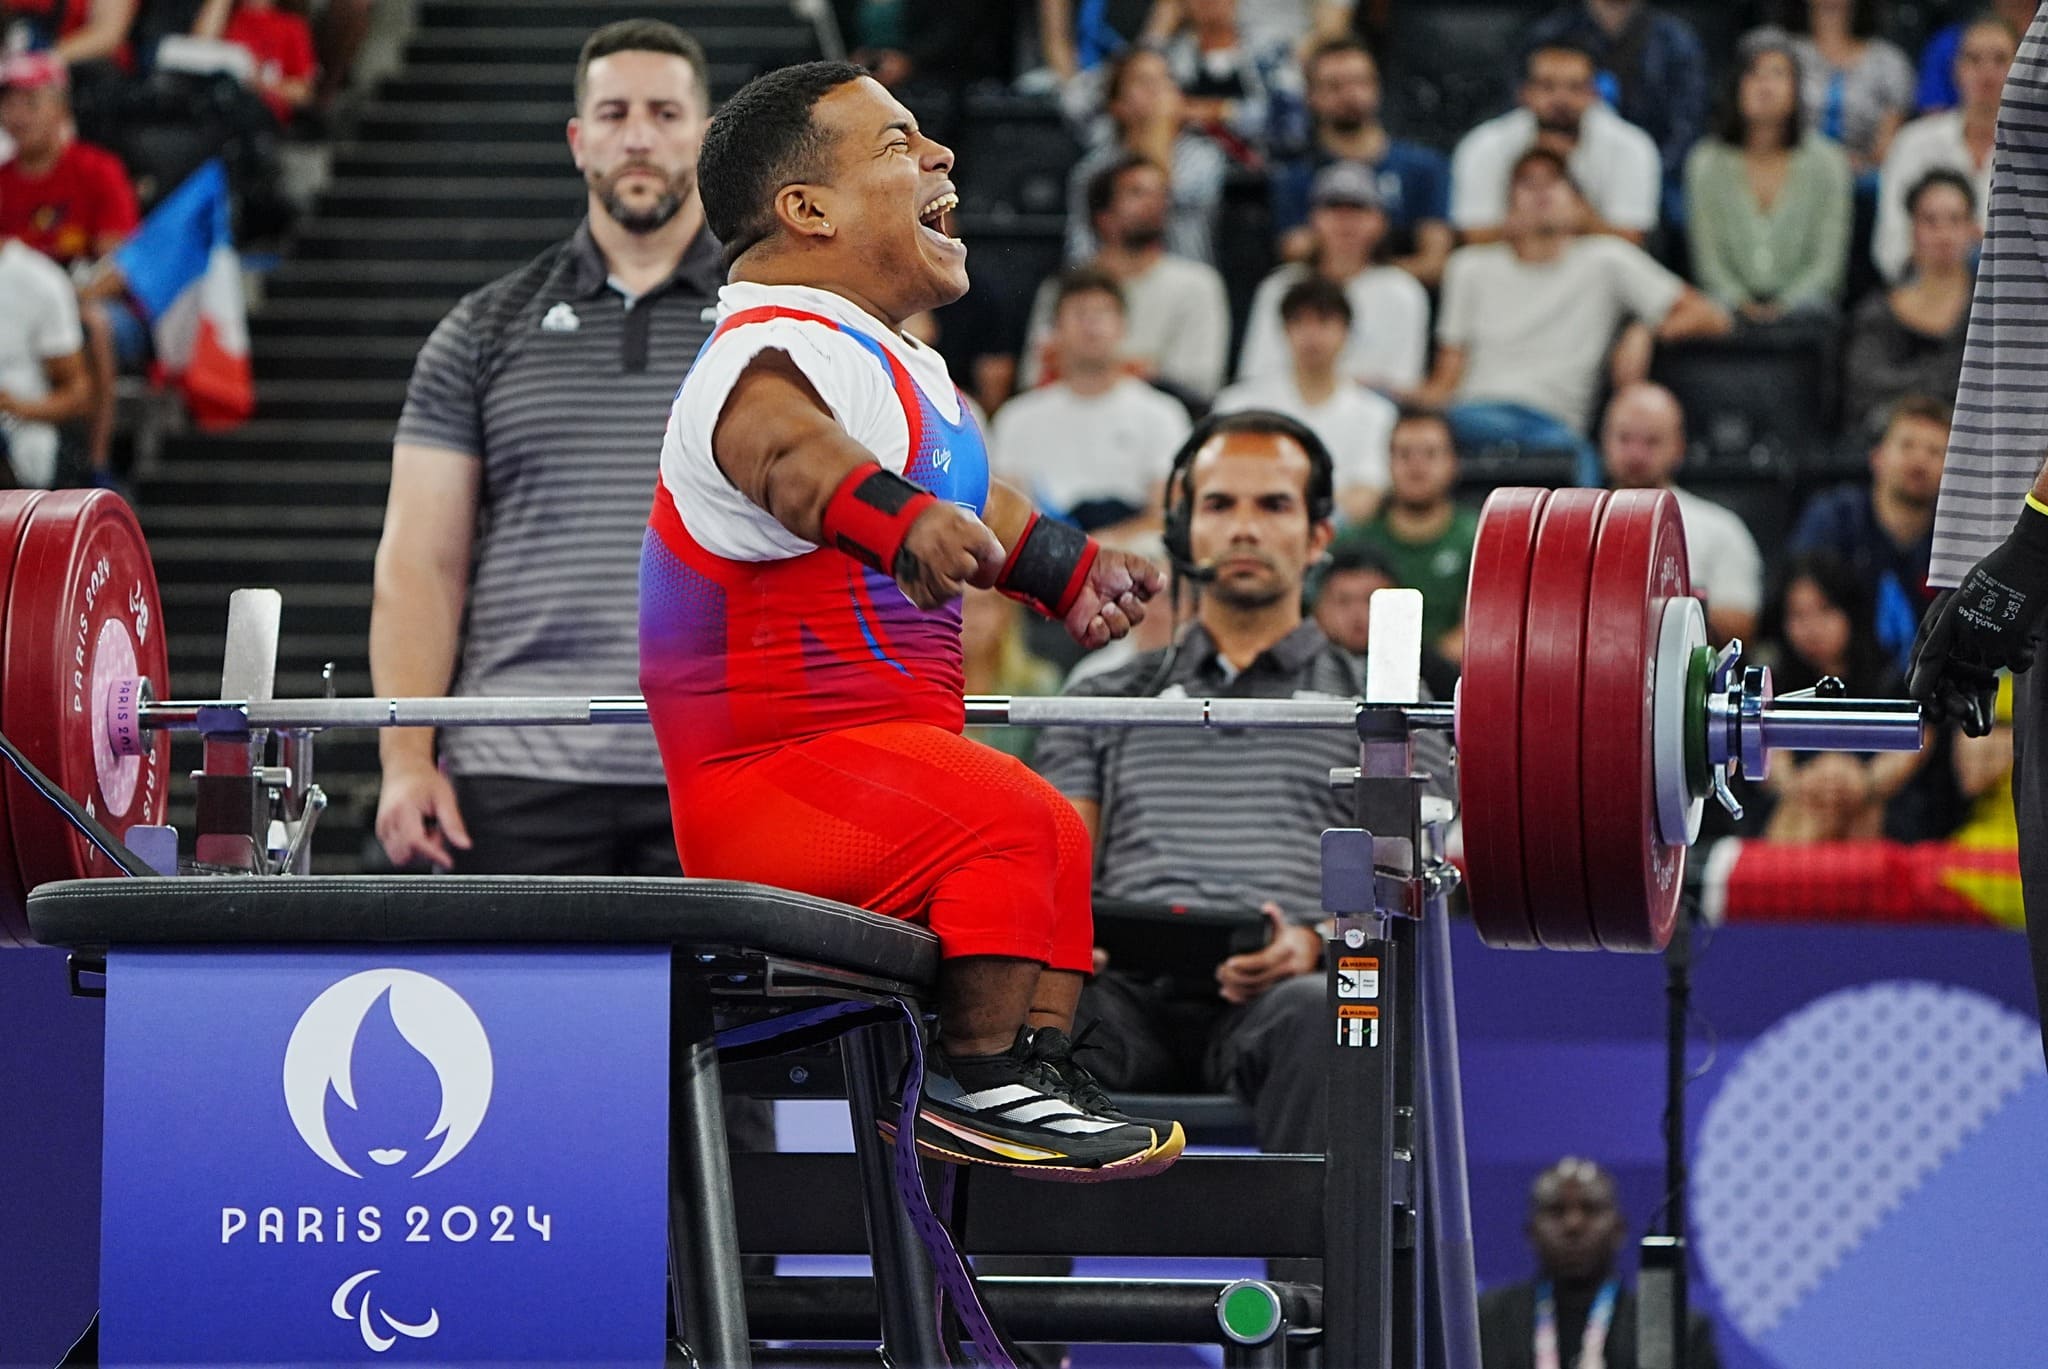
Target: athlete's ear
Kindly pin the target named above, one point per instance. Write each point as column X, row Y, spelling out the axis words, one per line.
column 803, row 211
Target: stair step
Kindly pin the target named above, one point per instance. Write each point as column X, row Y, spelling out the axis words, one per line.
column 463, row 121
column 388, row 156
column 505, row 244
column 505, row 197
column 334, row 358
column 483, row 79
column 347, row 398
column 316, row 562
column 413, row 317
column 323, row 520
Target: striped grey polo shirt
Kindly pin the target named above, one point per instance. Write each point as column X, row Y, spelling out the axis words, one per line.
column 1218, row 817
column 2001, row 427
column 561, row 387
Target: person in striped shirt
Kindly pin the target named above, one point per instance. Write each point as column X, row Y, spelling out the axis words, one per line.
column 1991, row 519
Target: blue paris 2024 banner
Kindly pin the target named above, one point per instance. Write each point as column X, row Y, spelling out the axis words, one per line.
column 366, row 1157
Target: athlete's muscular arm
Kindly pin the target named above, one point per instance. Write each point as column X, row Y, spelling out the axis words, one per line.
column 779, row 445
column 1099, row 593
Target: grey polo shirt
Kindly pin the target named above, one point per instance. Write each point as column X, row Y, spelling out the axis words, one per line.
column 2000, row 436
column 1218, row 817
column 560, row 386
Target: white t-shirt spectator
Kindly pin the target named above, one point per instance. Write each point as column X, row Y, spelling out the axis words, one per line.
column 1354, row 423
column 1536, row 333
column 1920, row 147
column 38, row 322
column 1727, row 569
column 1615, row 164
column 1176, row 325
column 1065, row 449
column 1389, row 342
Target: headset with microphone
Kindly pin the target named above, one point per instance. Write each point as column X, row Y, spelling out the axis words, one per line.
column 1180, row 495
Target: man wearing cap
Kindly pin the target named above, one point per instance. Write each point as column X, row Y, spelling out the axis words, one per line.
column 1348, row 225
column 1413, row 181
column 72, row 202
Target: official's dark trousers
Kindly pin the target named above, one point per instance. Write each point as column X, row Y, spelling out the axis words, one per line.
column 2030, row 804
column 1272, row 1052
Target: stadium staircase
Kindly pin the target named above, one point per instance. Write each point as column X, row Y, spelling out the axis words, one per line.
column 451, row 173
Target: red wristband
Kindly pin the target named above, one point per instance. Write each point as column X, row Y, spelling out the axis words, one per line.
column 870, row 514
column 1048, row 566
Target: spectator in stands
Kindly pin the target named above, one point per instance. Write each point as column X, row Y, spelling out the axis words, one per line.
column 1938, row 58
column 1526, row 323
column 1414, row 182
column 1653, row 71
column 1078, row 36
column 279, row 43
column 1177, row 311
column 1615, row 164
column 1342, row 598
column 343, row 27
column 43, row 380
column 1292, row 24
column 1420, row 531
column 1389, row 340
column 1240, row 95
column 1958, row 140
column 1884, row 530
column 71, row 201
column 1909, row 339
column 1642, row 440
column 1255, row 501
column 1576, row 1310
column 923, row 44
column 1819, row 624
column 1148, row 118
column 1092, row 446
column 996, row 659
column 1353, row 422
column 1858, row 85
column 1771, row 201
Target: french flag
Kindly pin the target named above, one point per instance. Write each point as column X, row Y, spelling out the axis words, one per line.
column 181, row 267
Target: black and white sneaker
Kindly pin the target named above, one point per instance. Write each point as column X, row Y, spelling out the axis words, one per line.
column 1057, row 1050
column 1014, row 1110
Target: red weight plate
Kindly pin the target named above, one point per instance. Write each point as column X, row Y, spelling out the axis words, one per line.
column 1489, row 713
column 1638, row 567
column 14, row 510
column 1552, row 745
column 82, row 615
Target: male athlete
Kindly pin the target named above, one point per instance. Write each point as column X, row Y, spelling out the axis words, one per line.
column 824, row 500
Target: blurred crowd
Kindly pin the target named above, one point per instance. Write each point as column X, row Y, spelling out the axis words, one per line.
column 106, row 106
column 1497, row 306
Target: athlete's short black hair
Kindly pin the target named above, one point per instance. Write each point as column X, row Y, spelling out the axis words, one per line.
column 761, row 140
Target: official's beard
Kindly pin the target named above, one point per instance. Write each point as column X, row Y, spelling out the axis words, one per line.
column 1248, row 595
column 640, row 219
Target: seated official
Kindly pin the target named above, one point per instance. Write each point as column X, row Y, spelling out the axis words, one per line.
column 1577, row 1304
column 1227, row 817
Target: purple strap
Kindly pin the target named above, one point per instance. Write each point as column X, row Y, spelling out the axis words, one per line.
column 956, row 1283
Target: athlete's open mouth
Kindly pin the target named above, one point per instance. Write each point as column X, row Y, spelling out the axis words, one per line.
column 937, row 216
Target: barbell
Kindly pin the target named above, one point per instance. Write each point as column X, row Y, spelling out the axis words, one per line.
column 1592, row 721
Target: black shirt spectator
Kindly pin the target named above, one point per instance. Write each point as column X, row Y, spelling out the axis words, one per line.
column 1909, row 340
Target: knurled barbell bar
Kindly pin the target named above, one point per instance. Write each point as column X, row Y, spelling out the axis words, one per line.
column 1592, row 721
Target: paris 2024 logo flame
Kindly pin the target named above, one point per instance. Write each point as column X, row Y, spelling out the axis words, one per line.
column 435, row 1021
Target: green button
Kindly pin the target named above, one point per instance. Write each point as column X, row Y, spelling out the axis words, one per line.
column 1249, row 1312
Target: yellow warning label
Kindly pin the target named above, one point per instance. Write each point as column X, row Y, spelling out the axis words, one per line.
column 1358, row 962
column 1357, row 1010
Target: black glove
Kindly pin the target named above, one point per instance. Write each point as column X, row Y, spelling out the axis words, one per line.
column 1986, row 625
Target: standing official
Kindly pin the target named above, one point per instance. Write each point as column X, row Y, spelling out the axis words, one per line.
column 530, row 439
column 1991, row 522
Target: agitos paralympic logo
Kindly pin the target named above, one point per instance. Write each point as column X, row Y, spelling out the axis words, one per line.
column 320, row 1062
